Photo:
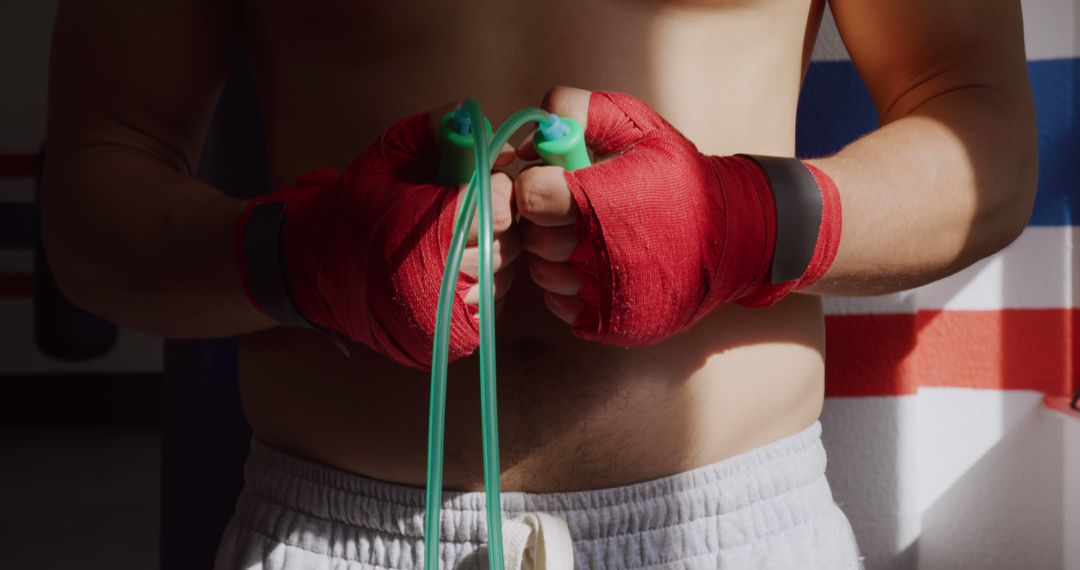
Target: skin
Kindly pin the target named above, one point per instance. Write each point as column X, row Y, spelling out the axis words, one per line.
column 947, row 180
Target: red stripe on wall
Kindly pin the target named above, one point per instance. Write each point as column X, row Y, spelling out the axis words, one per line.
column 894, row 354
column 18, row 165
column 16, row 284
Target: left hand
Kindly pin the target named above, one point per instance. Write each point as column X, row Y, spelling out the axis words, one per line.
column 638, row 247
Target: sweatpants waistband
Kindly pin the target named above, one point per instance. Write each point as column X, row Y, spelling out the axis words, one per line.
column 740, row 501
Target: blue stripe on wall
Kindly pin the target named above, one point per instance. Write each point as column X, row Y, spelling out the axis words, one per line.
column 1056, row 84
column 835, row 109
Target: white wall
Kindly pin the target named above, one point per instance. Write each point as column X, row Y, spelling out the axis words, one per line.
column 1071, row 488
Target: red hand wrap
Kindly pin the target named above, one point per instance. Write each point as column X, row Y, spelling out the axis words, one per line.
column 666, row 233
column 825, row 249
column 365, row 249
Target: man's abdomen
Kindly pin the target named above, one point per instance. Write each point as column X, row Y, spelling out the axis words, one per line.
column 572, row 415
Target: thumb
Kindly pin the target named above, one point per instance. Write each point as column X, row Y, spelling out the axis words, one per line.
column 613, row 120
column 568, row 102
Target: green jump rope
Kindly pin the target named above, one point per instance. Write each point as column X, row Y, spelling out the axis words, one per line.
column 468, row 153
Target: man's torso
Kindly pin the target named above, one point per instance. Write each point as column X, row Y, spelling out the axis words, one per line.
column 573, row 414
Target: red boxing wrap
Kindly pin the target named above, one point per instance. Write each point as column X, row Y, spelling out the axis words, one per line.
column 666, row 234
column 364, row 250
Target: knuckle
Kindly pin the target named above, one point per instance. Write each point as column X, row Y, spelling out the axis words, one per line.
column 528, row 196
column 502, row 188
column 501, row 219
column 500, row 181
column 554, row 97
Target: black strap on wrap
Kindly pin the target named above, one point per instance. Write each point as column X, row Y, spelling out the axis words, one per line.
column 798, row 215
column 265, row 267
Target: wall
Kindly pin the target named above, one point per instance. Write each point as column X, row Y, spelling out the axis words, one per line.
column 1071, row 500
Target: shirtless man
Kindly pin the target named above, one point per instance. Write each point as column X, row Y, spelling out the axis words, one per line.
column 711, row 434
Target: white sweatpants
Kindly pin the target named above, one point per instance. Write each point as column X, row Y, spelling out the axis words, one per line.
column 768, row 509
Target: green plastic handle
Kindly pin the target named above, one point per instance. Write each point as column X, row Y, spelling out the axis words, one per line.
column 460, row 153
column 457, row 158
column 568, row 152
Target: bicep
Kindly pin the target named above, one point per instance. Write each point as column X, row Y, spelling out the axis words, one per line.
column 142, row 76
column 911, row 52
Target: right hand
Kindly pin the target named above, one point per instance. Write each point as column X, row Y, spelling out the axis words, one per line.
column 364, row 250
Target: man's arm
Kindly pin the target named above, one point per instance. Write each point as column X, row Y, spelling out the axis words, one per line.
column 130, row 234
column 950, row 176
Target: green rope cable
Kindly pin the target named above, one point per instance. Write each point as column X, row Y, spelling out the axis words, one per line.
column 480, row 183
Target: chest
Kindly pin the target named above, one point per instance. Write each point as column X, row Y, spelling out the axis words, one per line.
column 349, row 30
column 333, row 73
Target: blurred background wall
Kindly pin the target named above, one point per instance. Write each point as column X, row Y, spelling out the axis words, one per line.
column 79, row 399
column 950, row 440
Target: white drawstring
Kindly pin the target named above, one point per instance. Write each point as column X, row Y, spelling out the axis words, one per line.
column 537, row 541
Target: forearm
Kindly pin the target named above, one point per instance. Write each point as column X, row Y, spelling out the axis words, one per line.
column 930, row 193
column 143, row 244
